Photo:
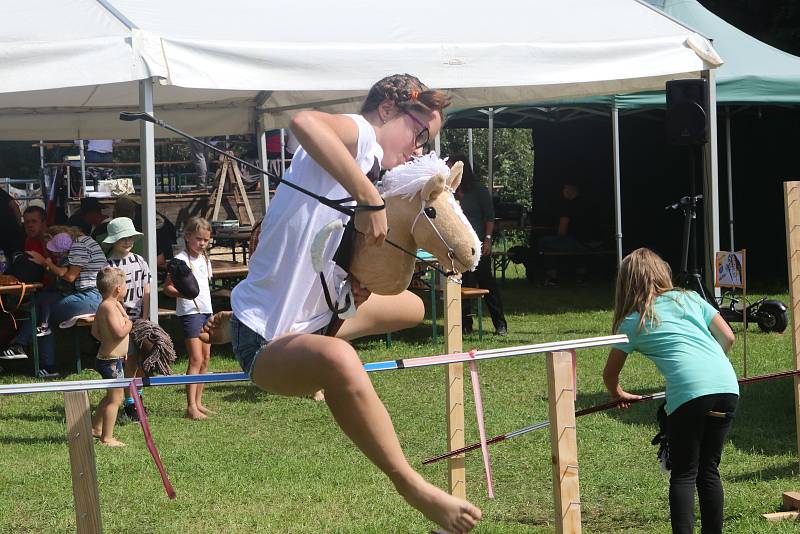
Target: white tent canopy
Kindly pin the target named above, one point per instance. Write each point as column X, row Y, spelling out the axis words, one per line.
column 67, row 67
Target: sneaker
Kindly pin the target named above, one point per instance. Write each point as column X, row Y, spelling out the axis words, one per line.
column 15, row 351
column 43, row 330
column 130, row 413
column 44, row 373
column 501, row 330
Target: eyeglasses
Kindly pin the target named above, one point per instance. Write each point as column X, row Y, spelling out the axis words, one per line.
column 424, row 134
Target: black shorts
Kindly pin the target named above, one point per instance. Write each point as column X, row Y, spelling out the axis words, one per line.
column 193, row 324
column 110, row 369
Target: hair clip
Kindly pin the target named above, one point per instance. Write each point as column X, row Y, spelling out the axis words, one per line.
column 413, row 96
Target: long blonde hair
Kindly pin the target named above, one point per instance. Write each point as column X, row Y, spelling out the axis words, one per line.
column 642, row 277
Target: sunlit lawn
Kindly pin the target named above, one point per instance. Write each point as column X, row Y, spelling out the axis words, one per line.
column 271, row 464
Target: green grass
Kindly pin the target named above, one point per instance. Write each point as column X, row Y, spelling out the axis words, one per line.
column 271, row 464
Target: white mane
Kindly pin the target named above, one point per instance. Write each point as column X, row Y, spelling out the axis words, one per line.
column 408, row 179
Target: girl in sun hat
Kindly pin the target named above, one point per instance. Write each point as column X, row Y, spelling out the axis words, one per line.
column 121, row 236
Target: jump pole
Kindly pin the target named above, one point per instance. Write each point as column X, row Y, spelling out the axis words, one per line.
column 791, row 195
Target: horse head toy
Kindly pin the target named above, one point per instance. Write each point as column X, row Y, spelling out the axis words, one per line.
column 422, row 213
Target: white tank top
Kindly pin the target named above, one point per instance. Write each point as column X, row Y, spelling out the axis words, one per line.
column 282, row 293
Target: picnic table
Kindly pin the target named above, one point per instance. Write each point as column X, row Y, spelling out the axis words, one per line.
column 30, row 291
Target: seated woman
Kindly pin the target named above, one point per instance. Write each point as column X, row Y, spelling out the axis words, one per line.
column 74, row 263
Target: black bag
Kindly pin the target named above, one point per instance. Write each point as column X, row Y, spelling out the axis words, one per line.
column 183, row 278
column 25, row 269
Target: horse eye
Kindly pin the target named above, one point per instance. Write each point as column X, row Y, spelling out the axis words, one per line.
column 430, row 212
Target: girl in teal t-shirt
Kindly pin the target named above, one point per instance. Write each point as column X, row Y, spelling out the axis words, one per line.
column 687, row 339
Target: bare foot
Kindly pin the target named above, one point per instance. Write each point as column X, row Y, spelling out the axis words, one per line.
column 111, row 442
column 206, row 410
column 196, row 415
column 217, row 330
column 451, row 513
column 319, row 395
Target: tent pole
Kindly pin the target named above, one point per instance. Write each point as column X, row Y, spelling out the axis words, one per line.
column 617, row 196
column 148, row 181
column 711, row 184
column 283, row 152
column 83, row 169
column 730, row 172
column 264, row 164
column 491, row 151
column 470, row 143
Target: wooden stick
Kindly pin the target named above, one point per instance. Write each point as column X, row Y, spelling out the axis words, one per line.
column 791, row 195
column 454, row 384
column 563, row 443
column 82, row 462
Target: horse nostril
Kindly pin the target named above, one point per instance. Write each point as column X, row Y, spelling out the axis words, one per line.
column 472, row 251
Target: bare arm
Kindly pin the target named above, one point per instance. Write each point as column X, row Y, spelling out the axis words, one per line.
column 486, row 248
column 332, row 141
column 170, row 290
column 722, row 333
column 68, row 274
column 119, row 323
column 146, row 302
column 614, row 364
column 563, row 226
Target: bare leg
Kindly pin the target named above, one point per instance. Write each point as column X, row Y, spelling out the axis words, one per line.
column 203, row 370
column 107, row 417
column 381, row 314
column 195, row 349
column 300, row 364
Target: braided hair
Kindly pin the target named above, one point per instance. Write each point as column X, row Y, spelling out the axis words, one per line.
column 405, row 91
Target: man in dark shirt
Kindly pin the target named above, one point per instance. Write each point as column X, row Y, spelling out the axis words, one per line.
column 11, row 234
column 572, row 229
column 89, row 218
column 476, row 203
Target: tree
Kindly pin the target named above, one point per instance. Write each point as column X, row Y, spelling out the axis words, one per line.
column 512, row 157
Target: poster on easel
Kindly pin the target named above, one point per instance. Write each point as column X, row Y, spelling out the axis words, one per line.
column 730, row 270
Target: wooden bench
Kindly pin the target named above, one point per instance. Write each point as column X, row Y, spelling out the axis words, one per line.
column 476, row 293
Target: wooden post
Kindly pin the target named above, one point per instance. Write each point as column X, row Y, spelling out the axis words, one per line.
column 791, row 195
column 82, row 464
column 454, row 384
column 563, row 442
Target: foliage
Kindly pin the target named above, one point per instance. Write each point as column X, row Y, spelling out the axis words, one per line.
column 513, row 159
column 775, row 22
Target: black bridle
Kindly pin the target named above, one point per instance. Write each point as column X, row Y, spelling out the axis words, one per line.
column 335, row 204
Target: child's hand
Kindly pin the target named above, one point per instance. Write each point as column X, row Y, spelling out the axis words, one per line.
column 373, row 225
column 626, row 398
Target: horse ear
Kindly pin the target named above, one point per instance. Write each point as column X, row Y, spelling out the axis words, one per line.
column 455, row 175
column 433, row 187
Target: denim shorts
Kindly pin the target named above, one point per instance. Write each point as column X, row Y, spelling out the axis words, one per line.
column 110, row 369
column 246, row 344
column 193, row 324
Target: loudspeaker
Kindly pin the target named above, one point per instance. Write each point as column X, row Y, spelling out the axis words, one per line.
column 687, row 119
